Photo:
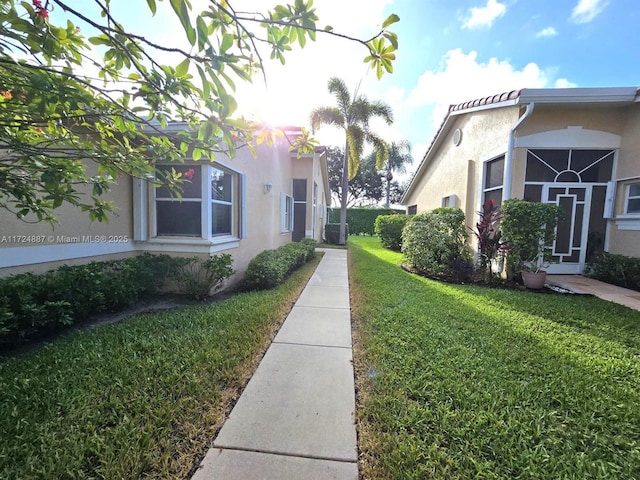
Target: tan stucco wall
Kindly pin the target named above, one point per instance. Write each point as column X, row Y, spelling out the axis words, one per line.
column 629, row 155
column 552, row 117
column 72, row 223
column 273, row 164
column 457, row 170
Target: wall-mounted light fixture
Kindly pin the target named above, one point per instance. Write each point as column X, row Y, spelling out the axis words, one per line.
column 268, row 186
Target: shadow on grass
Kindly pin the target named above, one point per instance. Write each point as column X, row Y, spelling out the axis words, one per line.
column 466, row 382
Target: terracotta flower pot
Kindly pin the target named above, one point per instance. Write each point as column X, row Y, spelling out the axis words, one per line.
column 534, row 280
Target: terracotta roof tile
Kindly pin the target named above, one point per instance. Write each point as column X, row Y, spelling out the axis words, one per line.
column 500, row 97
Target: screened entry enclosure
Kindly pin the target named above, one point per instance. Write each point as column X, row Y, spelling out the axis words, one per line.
column 579, row 182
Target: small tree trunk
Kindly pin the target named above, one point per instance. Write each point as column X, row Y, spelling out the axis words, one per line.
column 342, row 240
column 389, row 177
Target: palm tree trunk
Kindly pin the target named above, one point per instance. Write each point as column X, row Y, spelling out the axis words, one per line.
column 388, row 178
column 388, row 192
column 342, row 240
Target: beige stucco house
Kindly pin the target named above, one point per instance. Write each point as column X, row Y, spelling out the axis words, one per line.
column 240, row 206
column 578, row 148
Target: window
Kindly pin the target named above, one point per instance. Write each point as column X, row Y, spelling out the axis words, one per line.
column 493, row 178
column 209, row 207
column 449, row 201
column 633, row 199
column 221, row 202
column 176, row 216
column 286, row 213
column 412, row 209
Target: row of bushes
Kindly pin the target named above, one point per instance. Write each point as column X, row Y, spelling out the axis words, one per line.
column 361, row 220
column 617, row 270
column 35, row 304
column 271, row 267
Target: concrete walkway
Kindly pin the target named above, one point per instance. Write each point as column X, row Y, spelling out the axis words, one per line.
column 606, row 291
column 295, row 419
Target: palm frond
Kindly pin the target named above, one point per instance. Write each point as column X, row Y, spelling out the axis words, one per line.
column 355, row 139
column 399, row 156
column 326, row 116
column 340, row 91
column 380, row 147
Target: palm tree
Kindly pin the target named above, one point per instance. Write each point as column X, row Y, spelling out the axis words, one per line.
column 353, row 116
column 399, row 157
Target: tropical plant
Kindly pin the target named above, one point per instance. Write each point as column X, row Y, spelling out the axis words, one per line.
column 489, row 237
column 399, row 158
column 66, row 97
column 200, row 278
column 352, row 114
column 528, row 230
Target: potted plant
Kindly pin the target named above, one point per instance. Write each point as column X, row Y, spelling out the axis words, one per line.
column 529, row 229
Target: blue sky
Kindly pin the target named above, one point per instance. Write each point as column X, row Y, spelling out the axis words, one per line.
column 450, row 54
column 450, row 51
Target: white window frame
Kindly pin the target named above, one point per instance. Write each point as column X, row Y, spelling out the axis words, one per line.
column 286, row 213
column 214, row 202
column 485, row 190
column 448, row 201
column 207, row 242
column 628, row 197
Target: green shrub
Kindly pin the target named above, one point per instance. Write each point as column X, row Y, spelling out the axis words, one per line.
column 389, row 229
column 616, row 269
column 270, row 268
column 431, row 241
column 528, row 230
column 332, row 233
column 32, row 305
column 200, row 278
column 361, row 220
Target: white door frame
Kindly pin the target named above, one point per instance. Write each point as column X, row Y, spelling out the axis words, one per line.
column 572, row 267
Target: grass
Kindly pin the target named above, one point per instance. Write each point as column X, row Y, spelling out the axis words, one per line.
column 143, row 398
column 463, row 382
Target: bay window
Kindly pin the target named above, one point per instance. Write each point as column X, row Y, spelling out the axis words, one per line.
column 210, row 207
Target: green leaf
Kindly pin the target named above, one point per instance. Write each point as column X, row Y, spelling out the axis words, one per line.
column 227, row 42
column 182, row 68
column 391, row 19
column 181, row 8
column 152, row 6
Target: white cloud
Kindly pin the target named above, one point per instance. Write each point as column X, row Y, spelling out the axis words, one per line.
column 547, row 32
column 462, row 78
column 564, row 83
column 586, row 10
column 484, row 16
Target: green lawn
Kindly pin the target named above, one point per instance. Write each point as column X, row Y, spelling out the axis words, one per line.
column 468, row 382
column 143, row 398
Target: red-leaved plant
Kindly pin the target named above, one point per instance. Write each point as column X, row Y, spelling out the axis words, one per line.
column 489, row 237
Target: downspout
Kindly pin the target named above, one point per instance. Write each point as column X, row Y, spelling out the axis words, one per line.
column 508, row 161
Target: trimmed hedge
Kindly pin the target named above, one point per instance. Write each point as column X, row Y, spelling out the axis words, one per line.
column 361, row 220
column 389, row 229
column 617, row 270
column 332, row 233
column 33, row 305
column 270, row 268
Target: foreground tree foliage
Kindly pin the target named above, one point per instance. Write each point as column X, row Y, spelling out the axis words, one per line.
column 66, row 97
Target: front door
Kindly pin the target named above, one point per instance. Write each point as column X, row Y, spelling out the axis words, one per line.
column 570, row 245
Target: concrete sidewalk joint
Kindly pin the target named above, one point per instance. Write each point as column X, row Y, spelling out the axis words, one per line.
column 296, row 417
